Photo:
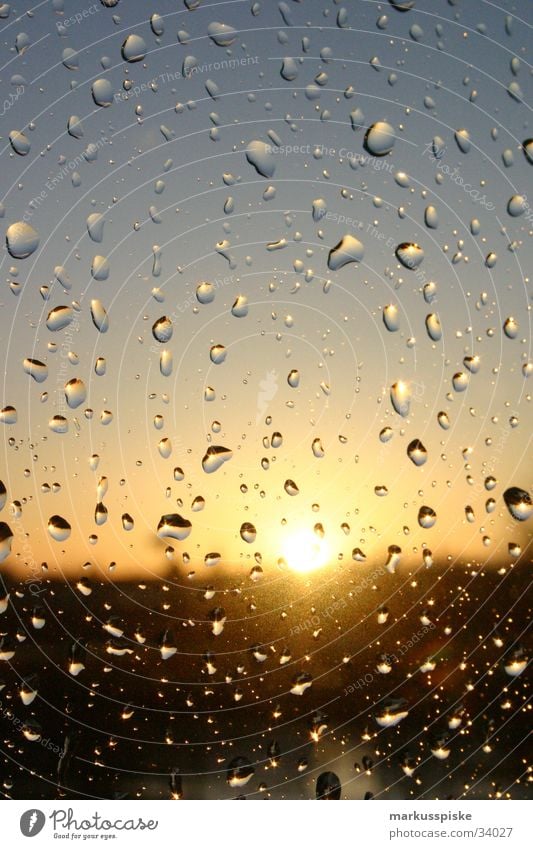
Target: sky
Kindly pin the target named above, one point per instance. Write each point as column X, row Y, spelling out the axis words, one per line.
column 328, row 326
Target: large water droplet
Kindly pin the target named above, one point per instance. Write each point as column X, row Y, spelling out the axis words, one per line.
column 248, row 532
column 205, row 293
column 218, row 354
column 510, row 328
column 100, row 268
column 239, row 773
column 417, row 452
column 102, row 92
column 174, row 526
column 519, row 503
column 59, row 318
column 99, row 316
column 293, row 378
column 36, row 369
column 410, row 254
column 222, row 34
column 379, row 139
column 75, row 392
column 134, row 48
column 19, row 142
column 328, row 786
column 426, row 517
column 95, row 226
column 433, row 327
column 318, row 448
column 391, row 317
column 215, row 457
column 290, row 487
column 431, row 217
column 400, row 395
column 240, row 307
column 259, row 155
column 162, row 329
column 517, row 205
column 6, row 538
column 58, row 528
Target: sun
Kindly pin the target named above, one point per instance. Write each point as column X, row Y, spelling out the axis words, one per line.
column 304, row 551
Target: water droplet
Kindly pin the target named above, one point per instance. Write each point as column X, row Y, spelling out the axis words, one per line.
column 431, row 217
column 293, row 378
column 215, row 457
column 328, row 786
column 248, row 532
column 134, row 48
column 58, row 528
column 222, row 34
column 402, row 5
column 162, row 329
column 58, row 424
column 349, row 249
column 391, row 317
column 22, row 240
column 433, row 327
column 289, row 69
column 36, row 369
column 259, row 155
column 239, row 773
column 218, row 354
column 240, row 307
column 318, row 448
column 400, row 395
column 100, row 268
column 426, row 517
column 527, row 147
column 393, row 558
column 417, row 452
column 102, row 92
column 510, row 328
column 462, row 137
column 165, row 448
column 300, row 683
column 391, row 714
column 19, row 142
column 99, row 316
column 205, row 293
column 8, row 415
column 319, row 209
column 75, row 392
column 410, row 254
column 174, row 526
column 517, row 205
column 6, row 538
column 95, row 226
column 460, row 381
column 157, row 23
column 473, row 364
column 519, row 503
column 290, row 487
column 379, row 139
column 59, row 318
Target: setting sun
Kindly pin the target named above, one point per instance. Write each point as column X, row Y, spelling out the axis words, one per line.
column 304, row 551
